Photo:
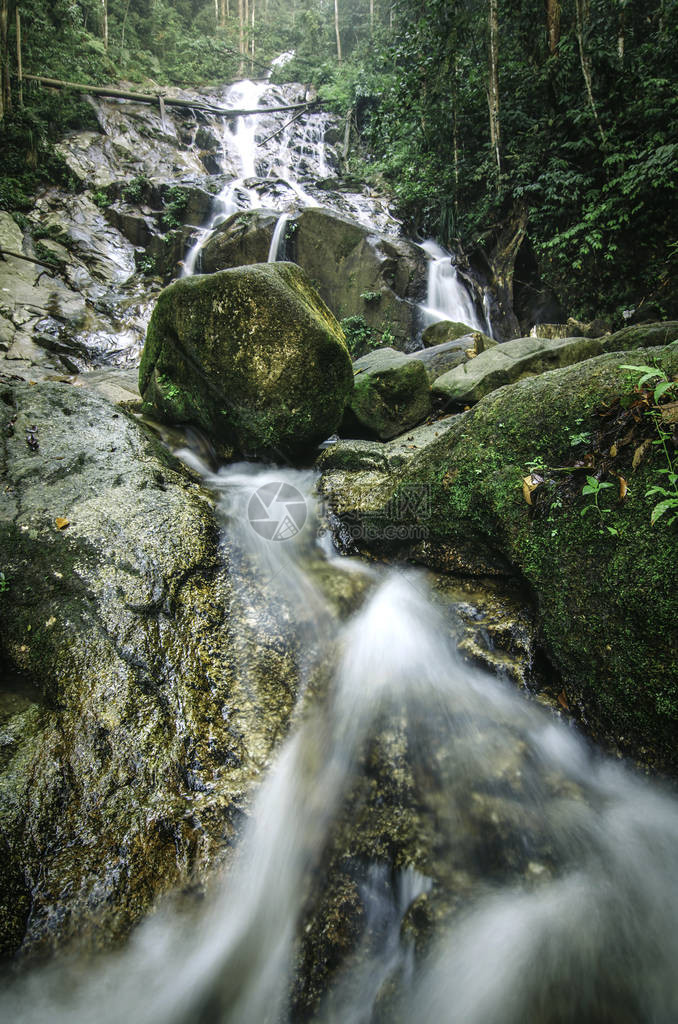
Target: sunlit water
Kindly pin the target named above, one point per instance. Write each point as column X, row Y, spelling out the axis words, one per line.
column 554, row 872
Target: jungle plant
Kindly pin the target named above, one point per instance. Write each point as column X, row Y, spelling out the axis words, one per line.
column 662, row 399
column 594, row 486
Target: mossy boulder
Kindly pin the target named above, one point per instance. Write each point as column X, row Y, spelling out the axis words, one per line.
column 251, row 355
column 503, row 364
column 641, row 336
column 450, row 330
column 607, row 602
column 390, row 394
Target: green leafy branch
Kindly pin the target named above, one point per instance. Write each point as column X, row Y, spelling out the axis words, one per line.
column 664, row 392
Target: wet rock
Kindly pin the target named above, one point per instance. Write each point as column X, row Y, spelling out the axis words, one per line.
column 438, row 359
column 244, row 238
column 588, row 583
column 129, row 737
column 390, row 394
column 359, row 273
column 506, row 363
column 250, row 355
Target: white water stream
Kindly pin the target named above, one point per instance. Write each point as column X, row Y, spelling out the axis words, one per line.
column 555, row 871
column 447, row 296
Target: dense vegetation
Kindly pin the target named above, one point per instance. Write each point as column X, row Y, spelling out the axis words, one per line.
column 475, row 115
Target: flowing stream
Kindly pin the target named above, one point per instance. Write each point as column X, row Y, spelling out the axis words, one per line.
column 534, row 882
column 551, row 873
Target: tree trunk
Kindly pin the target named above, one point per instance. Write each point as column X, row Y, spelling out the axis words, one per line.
column 553, row 25
column 621, row 33
column 216, row 13
column 336, row 29
column 104, row 23
column 371, row 16
column 241, row 36
column 253, row 18
column 581, row 18
column 493, row 89
column 5, row 80
column 501, row 261
column 19, row 62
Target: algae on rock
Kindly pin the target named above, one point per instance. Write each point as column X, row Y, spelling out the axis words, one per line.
column 607, row 604
column 250, row 355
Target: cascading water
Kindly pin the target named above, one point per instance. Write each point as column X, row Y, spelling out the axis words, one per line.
column 548, row 877
column 447, row 297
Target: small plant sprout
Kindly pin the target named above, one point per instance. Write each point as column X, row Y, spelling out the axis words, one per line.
column 594, row 486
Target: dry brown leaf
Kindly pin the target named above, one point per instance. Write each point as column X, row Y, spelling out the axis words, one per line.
column 623, row 488
column 613, row 451
column 471, row 353
column 61, row 523
column 562, row 700
column 530, row 483
column 640, row 453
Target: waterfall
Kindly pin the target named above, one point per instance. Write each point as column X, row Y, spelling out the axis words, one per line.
column 447, row 297
column 277, row 249
column 561, row 864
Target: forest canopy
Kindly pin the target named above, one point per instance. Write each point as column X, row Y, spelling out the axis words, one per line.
column 472, row 115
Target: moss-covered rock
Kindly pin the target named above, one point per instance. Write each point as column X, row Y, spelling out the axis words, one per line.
column 251, row 355
column 128, row 735
column 450, row 330
column 607, row 602
column 390, row 394
column 503, row 364
column 641, row 336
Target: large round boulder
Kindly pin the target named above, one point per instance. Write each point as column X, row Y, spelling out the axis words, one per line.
column 251, row 355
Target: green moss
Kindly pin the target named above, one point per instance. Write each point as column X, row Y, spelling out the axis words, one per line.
column 608, row 605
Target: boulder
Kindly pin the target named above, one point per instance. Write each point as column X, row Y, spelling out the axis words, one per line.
column 356, row 272
column 447, row 330
column 243, row 238
column 250, row 355
column 504, row 364
column 641, row 336
column 441, row 358
column 606, row 599
column 128, row 735
column 390, row 394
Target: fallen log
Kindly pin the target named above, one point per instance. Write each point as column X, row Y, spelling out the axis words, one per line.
column 28, row 259
column 161, row 98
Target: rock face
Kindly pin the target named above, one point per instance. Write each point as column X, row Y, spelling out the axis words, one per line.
column 356, row 272
column 128, row 737
column 243, row 239
column 592, row 587
column 390, row 394
column 506, row 363
column 250, row 355
column 448, row 330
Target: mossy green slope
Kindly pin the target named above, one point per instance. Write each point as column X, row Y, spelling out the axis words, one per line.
column 251, row 355
column 608, row 604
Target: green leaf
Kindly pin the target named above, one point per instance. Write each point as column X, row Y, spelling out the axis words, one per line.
column 662, row 507
column 662, row 388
